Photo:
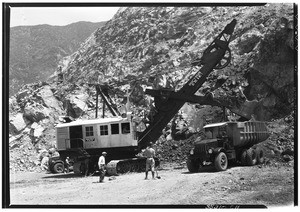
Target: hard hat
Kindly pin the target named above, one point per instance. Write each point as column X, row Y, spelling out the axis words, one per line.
column 104, row 153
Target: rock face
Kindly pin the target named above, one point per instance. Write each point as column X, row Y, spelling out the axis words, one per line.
column 153, row 47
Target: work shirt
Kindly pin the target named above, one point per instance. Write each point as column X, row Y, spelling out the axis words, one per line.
column 67, row 161
column 149, row 152
column 101, row 161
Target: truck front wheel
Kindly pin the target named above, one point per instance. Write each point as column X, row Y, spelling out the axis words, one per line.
column 193, row 165
column 58, row 168
column 251, row 157
column 221, row 162
column 259, row 155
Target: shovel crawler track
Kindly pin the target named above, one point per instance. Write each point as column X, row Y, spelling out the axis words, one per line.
column 116, row 167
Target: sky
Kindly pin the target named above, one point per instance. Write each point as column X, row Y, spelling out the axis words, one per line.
column 59, row 16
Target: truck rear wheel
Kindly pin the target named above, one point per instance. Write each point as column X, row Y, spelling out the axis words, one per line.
column 259, row 156
column 251, row 157
column 76, row 167
column 193, row 165
column 58, row 168
column 221, row 162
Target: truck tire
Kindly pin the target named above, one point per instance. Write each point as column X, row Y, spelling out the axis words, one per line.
column 82, row 168
column 58, row 168
column 243, row 157
column 221, row 162
column 193, row 165
column 251, row 157
column 76, row 167
column 259, row 156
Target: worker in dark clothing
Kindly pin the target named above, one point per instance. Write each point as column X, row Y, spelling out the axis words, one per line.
column 86, row 166
column 150, row 162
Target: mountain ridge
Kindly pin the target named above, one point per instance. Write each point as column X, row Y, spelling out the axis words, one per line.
column 35, row 51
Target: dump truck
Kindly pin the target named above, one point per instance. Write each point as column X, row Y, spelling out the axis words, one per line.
column 84, row 140
column 228, row 141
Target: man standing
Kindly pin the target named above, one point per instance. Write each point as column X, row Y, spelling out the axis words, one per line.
column 86, row 167
column 67, row 165
column 101, row 164
column 149, row 154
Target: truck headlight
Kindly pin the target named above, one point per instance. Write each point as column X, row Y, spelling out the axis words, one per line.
column 192, row 152
column 210, row 151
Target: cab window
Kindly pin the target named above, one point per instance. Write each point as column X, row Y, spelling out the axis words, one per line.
column 125, row 128
column 89, row 131
column 104, row 130
column 209, row 133
column 222, row 132
column 114, row 129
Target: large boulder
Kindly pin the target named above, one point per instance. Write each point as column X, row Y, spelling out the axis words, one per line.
column 78, row 104
column 37, row 130
column 17, row 123
column 49, row 99
column 36, row 113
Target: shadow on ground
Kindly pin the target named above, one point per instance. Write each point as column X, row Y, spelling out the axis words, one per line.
column 69, row 175
column 206, row 169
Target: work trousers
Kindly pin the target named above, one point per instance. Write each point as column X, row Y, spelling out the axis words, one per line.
column 102, row 173
column 150, row 163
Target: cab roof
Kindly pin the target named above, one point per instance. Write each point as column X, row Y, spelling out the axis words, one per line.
column 92, row 121
column 215, row 125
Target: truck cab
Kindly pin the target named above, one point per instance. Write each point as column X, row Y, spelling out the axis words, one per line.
column 206, row 150
column 228, row 141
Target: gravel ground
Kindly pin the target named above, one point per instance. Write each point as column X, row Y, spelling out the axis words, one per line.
column 271, row 186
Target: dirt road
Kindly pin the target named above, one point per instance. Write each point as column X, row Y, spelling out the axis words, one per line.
column 258, row 185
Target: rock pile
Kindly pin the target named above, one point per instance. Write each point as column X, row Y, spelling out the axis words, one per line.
column 34, row 112
column 280, row 145
column 174, row 151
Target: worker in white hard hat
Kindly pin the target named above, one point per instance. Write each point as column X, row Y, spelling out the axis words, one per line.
column 101, row 164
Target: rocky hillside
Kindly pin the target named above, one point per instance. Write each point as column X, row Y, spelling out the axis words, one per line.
column 154, row 47
column 157, row 45
column 35, row 51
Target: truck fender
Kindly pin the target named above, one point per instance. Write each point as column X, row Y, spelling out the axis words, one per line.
column 218, row 150
column 53, row 162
